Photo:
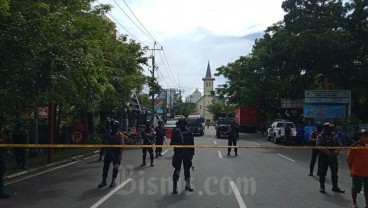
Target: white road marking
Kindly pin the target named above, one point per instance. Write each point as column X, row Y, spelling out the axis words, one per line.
column 40, row 173
column 164, row 152
column 101, row 201
column 215, row 142
column 256, row 143
column 237, row 195
column 285, row 157
column 220, row 155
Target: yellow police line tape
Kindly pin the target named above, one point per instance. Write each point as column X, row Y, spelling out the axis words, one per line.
column 173, row 146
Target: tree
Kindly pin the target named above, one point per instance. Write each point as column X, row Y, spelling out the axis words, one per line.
column 220, row 108
column 318, row 40
column 65, row 51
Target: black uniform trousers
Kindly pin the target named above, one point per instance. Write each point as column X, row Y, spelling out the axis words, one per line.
column 149, row 150
column 232, row 142
column 178, row 159
column 314, row 157
column 159, row 142
column 110, row 157
column 324, row 164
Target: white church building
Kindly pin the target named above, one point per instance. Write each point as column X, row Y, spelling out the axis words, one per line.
column 208, row 96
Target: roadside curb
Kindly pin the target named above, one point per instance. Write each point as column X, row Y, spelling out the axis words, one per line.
column 25, row 172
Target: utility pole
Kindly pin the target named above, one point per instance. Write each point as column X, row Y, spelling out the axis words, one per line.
column 153, row 82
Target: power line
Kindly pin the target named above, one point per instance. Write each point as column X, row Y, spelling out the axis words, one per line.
column 141, row 23
column 168, row 74
column 133, row 21
column 112, row 17
column 169, row 67
column 126, row 29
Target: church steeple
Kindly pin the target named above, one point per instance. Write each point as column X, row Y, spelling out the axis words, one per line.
column 208, row 73
column 208, row 82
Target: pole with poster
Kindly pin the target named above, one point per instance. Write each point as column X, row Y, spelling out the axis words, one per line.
column 77, row 137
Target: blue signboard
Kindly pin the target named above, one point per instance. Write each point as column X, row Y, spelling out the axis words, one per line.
column 325, row 111
column 159, row 110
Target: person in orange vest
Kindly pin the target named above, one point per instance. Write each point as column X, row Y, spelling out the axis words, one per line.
column 358, row 164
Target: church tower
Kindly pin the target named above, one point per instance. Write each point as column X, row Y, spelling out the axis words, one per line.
column 208, row 96
column 208, row 82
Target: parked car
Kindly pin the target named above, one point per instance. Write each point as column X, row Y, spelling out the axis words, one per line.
column 195, row 126
column 277, row 131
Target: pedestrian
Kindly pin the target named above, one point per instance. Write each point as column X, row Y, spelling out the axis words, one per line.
column 148, row 138
column 287, row 132
column 328, row 157
column 300, row 135
column 208, row 124
column 160, row 138
column 20, row 136
column 233, row 138
column 112, row 154
column 315, row 152
column 358, row 164
column 3, row 194
column 182, row 136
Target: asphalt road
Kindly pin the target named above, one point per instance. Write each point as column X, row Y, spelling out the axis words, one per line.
column 256, row 178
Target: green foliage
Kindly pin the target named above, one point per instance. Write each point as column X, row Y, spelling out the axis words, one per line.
column 318, row 41
column 65, row 51
column 4, row 7
column 219, row 108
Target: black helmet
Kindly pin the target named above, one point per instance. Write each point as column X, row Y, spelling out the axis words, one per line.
column 114, row 125
column 362, row 132
column 328, row 126
column 182, row 123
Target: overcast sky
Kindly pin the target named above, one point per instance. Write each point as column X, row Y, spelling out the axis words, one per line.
column 193, row 33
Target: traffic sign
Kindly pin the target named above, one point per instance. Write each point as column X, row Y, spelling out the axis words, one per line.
column 77, row 136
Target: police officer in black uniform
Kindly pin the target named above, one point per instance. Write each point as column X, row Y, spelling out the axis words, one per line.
column 233, row 137
column 3, row 195
column 160, row 138
column 182, row 136
column 148, row 138
column 315, row 152
column 20, row 136
column 112, row 154
column 328, row 157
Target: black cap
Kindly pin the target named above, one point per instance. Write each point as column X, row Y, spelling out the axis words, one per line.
column 362, row 132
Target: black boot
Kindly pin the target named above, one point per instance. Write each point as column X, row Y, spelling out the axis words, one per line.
column 335, row 188
column 144, row 162
column 175, row 187
column 322, row 189
column 157, row 154
column 113, row 184
column 152, row 162
column 188, row 187
column 103, row 183
column 310, row 172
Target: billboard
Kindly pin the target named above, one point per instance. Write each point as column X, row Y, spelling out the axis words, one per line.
column 327, row 96
column 325, row 111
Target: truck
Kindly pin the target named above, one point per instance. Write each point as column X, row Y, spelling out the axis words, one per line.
column 246, row 118
column 277, row 131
